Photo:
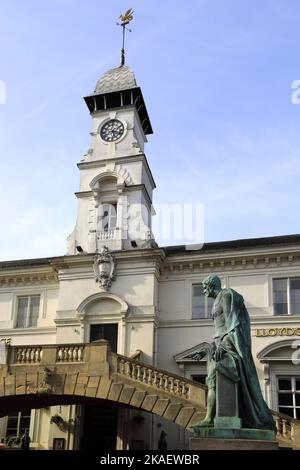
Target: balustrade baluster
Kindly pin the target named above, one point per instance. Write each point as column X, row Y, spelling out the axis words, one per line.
column 23, row 355
column 277, row 424
column 284, row 427
column 133, row 370
column 128, row 369
column 186, row 390
column 138, row 375
column 70, row 354
column 121, row 366
column 145, row 370
column 161, row 380
column 166, row 382
column 27, row 354
column 292, row 435
column 80, row 353
column 75, row 354
column 32, row 355
column 19, row 355
column 59, row 355
column 65, row 354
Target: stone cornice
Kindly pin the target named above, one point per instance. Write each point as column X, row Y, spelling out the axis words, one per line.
column 67, row 321
column 255, row 320
column 143, row 319
column 126, row 159
column 25, row 277
column 126, row 189
column 275, row 320
column 180, row 265
column 232, row 261
column 27, row 331
column 146, row 261
column 136, row 258
column 187, row 323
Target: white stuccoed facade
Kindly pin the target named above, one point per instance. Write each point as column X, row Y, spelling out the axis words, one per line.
column 150, row 298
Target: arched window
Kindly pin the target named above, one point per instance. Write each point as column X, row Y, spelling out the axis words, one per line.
column 108, row 221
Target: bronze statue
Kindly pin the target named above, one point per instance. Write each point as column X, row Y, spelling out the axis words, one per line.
column 234, row 394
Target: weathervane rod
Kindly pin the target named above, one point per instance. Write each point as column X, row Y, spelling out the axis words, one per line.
column 125, row 20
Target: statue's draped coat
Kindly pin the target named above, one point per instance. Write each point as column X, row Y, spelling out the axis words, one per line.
column 254, row 412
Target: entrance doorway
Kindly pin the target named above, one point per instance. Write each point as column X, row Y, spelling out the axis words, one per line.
column 106, row 331
column 101, row 421
column 100, row 427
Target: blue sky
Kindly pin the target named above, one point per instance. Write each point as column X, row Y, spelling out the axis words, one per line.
column 217, row 80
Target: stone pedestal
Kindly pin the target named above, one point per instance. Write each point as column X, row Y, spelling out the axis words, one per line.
column 231, row 444
column 227, row 410
column 232, row 439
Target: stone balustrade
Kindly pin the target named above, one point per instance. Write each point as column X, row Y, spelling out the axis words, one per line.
column 34, row 354
column 71, row 353
column 153, row 377
column 287, row 428
column 107, row 234
column 84, row 364
column 28, row 355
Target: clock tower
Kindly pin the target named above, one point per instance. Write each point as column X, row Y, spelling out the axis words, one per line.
column 116, row 183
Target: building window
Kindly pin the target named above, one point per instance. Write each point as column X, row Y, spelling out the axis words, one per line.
column 289, row 396
column 286, row 296
column 199, row 379
column 28, row 311
column 109, row 216
column 17, row 423
column 201, row 305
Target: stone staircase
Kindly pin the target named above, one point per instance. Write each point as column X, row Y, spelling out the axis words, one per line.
column 191, row 399
column 39, row 374
column 160, row 392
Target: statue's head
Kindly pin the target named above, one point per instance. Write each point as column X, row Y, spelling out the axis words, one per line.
column 211, row 285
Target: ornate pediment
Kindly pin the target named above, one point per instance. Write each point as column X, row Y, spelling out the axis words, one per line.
column 193, row 354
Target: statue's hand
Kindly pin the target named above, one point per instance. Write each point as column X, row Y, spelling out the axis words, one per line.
column 219, row 353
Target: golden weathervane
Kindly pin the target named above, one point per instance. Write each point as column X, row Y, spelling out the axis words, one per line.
column 125, row 20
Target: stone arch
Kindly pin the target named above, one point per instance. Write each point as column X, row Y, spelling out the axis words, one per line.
column 98, row 180
column 118, row 171
column 104, row 308
column 114, row 393
column 121, row 305
column 64, row 374
column 279, row 351
column 279, row 358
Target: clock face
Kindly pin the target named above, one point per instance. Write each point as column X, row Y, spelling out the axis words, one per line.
column 112, row 130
